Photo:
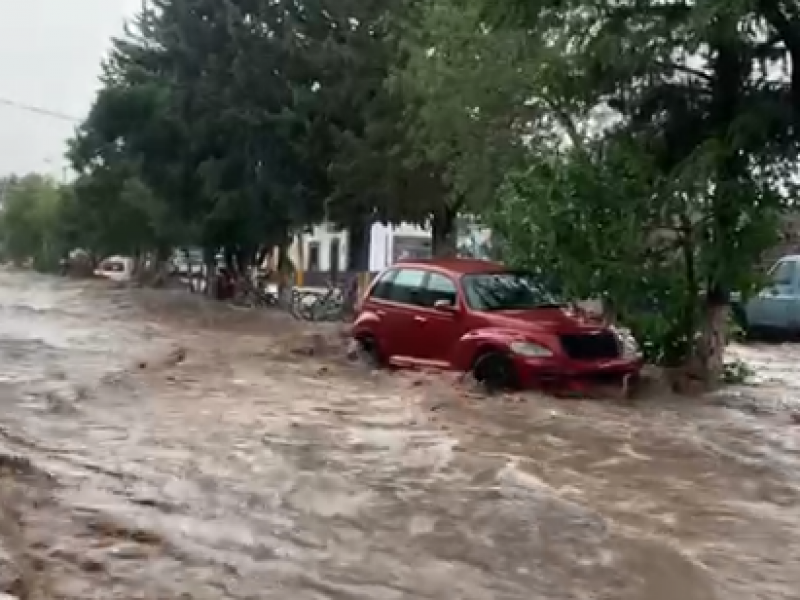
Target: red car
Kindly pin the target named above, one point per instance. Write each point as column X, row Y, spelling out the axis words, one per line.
column 477, row 316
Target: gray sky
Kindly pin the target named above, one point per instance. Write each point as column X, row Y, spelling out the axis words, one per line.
column 50, row 53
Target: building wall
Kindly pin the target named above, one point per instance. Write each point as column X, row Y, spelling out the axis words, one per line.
column 388, row 243
column 323, row 236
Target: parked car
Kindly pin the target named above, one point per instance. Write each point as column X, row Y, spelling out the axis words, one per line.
column 777, row 307
column 477, row 316
column 116, row 268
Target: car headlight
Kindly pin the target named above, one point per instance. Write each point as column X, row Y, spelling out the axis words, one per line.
column 530, row 350
column 630, row 347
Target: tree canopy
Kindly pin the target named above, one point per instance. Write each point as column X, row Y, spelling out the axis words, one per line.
column 30, row 224
column 672, row 196
column 247, row 121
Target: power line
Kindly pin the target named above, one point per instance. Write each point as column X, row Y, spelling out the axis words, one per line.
column 38, row 110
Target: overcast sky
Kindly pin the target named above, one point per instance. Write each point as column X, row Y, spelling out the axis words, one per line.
column 50, row 53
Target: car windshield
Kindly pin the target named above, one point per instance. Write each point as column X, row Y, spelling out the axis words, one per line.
column 508, row 291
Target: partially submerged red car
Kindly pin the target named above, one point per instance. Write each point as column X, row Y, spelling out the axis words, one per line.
column 503, row 326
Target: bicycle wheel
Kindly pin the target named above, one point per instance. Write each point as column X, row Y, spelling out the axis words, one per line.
column 295, row 305
column 260, row 299
column 293, row 310
column 243, row 300
column 306, row 306
column 333, row 310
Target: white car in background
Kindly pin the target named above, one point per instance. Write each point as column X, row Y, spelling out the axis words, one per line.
column 116, row 268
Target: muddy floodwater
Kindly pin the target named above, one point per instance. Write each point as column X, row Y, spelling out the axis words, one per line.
column 153, row 446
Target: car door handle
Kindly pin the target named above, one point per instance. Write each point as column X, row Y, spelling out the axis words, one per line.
column 420, row 320
column 380, row 313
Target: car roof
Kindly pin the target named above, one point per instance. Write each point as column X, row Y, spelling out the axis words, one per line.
column 454, row 266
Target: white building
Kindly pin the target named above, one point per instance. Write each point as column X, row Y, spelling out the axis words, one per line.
column 325, row 248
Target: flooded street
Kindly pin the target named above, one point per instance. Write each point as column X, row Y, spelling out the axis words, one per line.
column 245, row 471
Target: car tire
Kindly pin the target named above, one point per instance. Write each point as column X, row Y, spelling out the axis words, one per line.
column 494, row 370
column 368, row 352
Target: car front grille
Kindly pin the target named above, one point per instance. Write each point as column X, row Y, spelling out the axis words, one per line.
column 591, row 346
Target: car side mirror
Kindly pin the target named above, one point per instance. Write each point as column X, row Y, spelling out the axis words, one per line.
column 444, row 306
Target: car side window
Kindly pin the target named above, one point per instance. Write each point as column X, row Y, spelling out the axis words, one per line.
column 439, row 287
column 382, row 290
column 406, row 287
column 783, row 273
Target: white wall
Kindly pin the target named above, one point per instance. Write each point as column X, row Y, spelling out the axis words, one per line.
column 323, row 234
column 382, row 243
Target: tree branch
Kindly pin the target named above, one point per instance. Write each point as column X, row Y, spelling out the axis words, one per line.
column 790, row 35
column 683, row 69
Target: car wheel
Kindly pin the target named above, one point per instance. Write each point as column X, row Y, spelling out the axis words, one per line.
column 494, row 370
column 368, row 353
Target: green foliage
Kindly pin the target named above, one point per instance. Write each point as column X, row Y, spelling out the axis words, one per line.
column 361, row 121
column 247, row 121
column 668, row 200
column 470, row 96
column 30, row 225
column 109, row 213
column 196, row 109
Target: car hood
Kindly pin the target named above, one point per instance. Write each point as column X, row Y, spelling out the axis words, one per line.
column 550, row 320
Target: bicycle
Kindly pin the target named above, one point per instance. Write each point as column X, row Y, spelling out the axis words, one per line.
column 304, row 304
column 250, row 295
column 335, row 304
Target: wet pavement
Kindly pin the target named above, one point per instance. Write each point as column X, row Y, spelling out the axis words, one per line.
column 152, row 446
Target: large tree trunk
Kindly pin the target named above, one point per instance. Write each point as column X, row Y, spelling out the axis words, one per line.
column 714, row 337
column 286, row 271
column 243, row 257
column 358, row 233
column 161, row 265
column 230, row 259
column 138, row 265
column 444, row 233
column 210, row 266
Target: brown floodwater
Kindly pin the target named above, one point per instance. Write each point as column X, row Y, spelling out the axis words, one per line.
column 247, row 470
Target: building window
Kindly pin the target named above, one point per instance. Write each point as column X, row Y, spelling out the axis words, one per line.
column 313, row 257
